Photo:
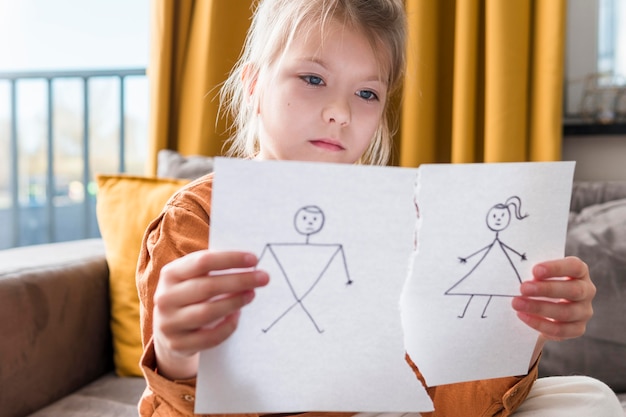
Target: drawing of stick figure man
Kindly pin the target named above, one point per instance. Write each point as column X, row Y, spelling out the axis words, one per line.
column 317, row 257
column 496, row 256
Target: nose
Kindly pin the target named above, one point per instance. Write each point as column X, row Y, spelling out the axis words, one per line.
column 337, row 112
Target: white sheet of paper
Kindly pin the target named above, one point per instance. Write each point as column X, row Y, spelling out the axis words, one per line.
column 455, row 202
column 309, row 341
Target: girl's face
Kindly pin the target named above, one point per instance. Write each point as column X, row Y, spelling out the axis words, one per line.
column 324, row 100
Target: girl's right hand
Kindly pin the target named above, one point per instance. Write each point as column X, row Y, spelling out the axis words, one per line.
column 197, row 304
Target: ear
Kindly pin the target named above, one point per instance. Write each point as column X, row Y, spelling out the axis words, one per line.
column 249, row 77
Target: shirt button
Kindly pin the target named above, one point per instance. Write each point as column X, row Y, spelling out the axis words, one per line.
column 514, row 392
column 188, row 397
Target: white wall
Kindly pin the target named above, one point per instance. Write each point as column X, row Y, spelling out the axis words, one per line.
column 601, row 157
column 581, row 49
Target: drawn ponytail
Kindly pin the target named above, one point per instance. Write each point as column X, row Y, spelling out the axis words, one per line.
column 516, row 202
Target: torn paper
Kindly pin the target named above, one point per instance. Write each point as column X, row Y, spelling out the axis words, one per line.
column 481, row 229
column 325, row 334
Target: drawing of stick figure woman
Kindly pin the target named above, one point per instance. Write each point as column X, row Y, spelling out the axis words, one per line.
column 496, row 258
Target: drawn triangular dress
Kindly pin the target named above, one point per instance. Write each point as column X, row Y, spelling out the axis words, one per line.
column 480, row 280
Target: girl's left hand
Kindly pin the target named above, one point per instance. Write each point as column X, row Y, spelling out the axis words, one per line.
column 557, row 301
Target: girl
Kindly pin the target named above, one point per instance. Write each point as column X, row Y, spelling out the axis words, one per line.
column 313, row 84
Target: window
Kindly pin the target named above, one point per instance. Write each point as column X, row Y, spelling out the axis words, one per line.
column 63, row 64
column 612, row 34
column 595, row 67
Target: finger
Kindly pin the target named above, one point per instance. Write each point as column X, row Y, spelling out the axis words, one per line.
column 563, row 311
column 207, row 338
column 559, row 289
column 203, row 315
column 193, row 291
column 203, row 262
column 570, row 266
column 203, row 338
column 553, row 330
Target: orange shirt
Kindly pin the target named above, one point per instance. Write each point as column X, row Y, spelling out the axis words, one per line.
column 182, row 228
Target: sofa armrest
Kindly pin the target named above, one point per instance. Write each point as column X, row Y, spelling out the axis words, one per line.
column 54, row 322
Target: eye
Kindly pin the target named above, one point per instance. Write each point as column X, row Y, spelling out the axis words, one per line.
column 367, row 95
column 312, row 79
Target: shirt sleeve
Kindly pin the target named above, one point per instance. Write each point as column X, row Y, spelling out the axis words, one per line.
column 163, row 396
column 181, row 228
column 498, row 397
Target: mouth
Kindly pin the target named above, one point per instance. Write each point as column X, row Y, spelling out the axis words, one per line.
column 327, row 144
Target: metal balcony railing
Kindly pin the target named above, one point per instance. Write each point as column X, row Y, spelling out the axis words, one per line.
column 24, row 222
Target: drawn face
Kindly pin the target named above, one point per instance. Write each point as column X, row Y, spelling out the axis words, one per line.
column 498, row 218
column 323, row 100
column 309, row 220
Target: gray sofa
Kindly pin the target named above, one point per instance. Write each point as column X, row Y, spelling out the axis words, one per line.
column 55, row 342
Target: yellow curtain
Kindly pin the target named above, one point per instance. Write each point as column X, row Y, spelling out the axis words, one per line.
column 484, row 81
column 484, row 78
column 194, row 44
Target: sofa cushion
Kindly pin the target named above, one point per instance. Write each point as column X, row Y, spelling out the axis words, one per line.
column 597, row 235
column 172, row 164
column 125, row 206
column 109, row 396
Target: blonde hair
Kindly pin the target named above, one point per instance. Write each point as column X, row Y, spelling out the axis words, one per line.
column 275, row 25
